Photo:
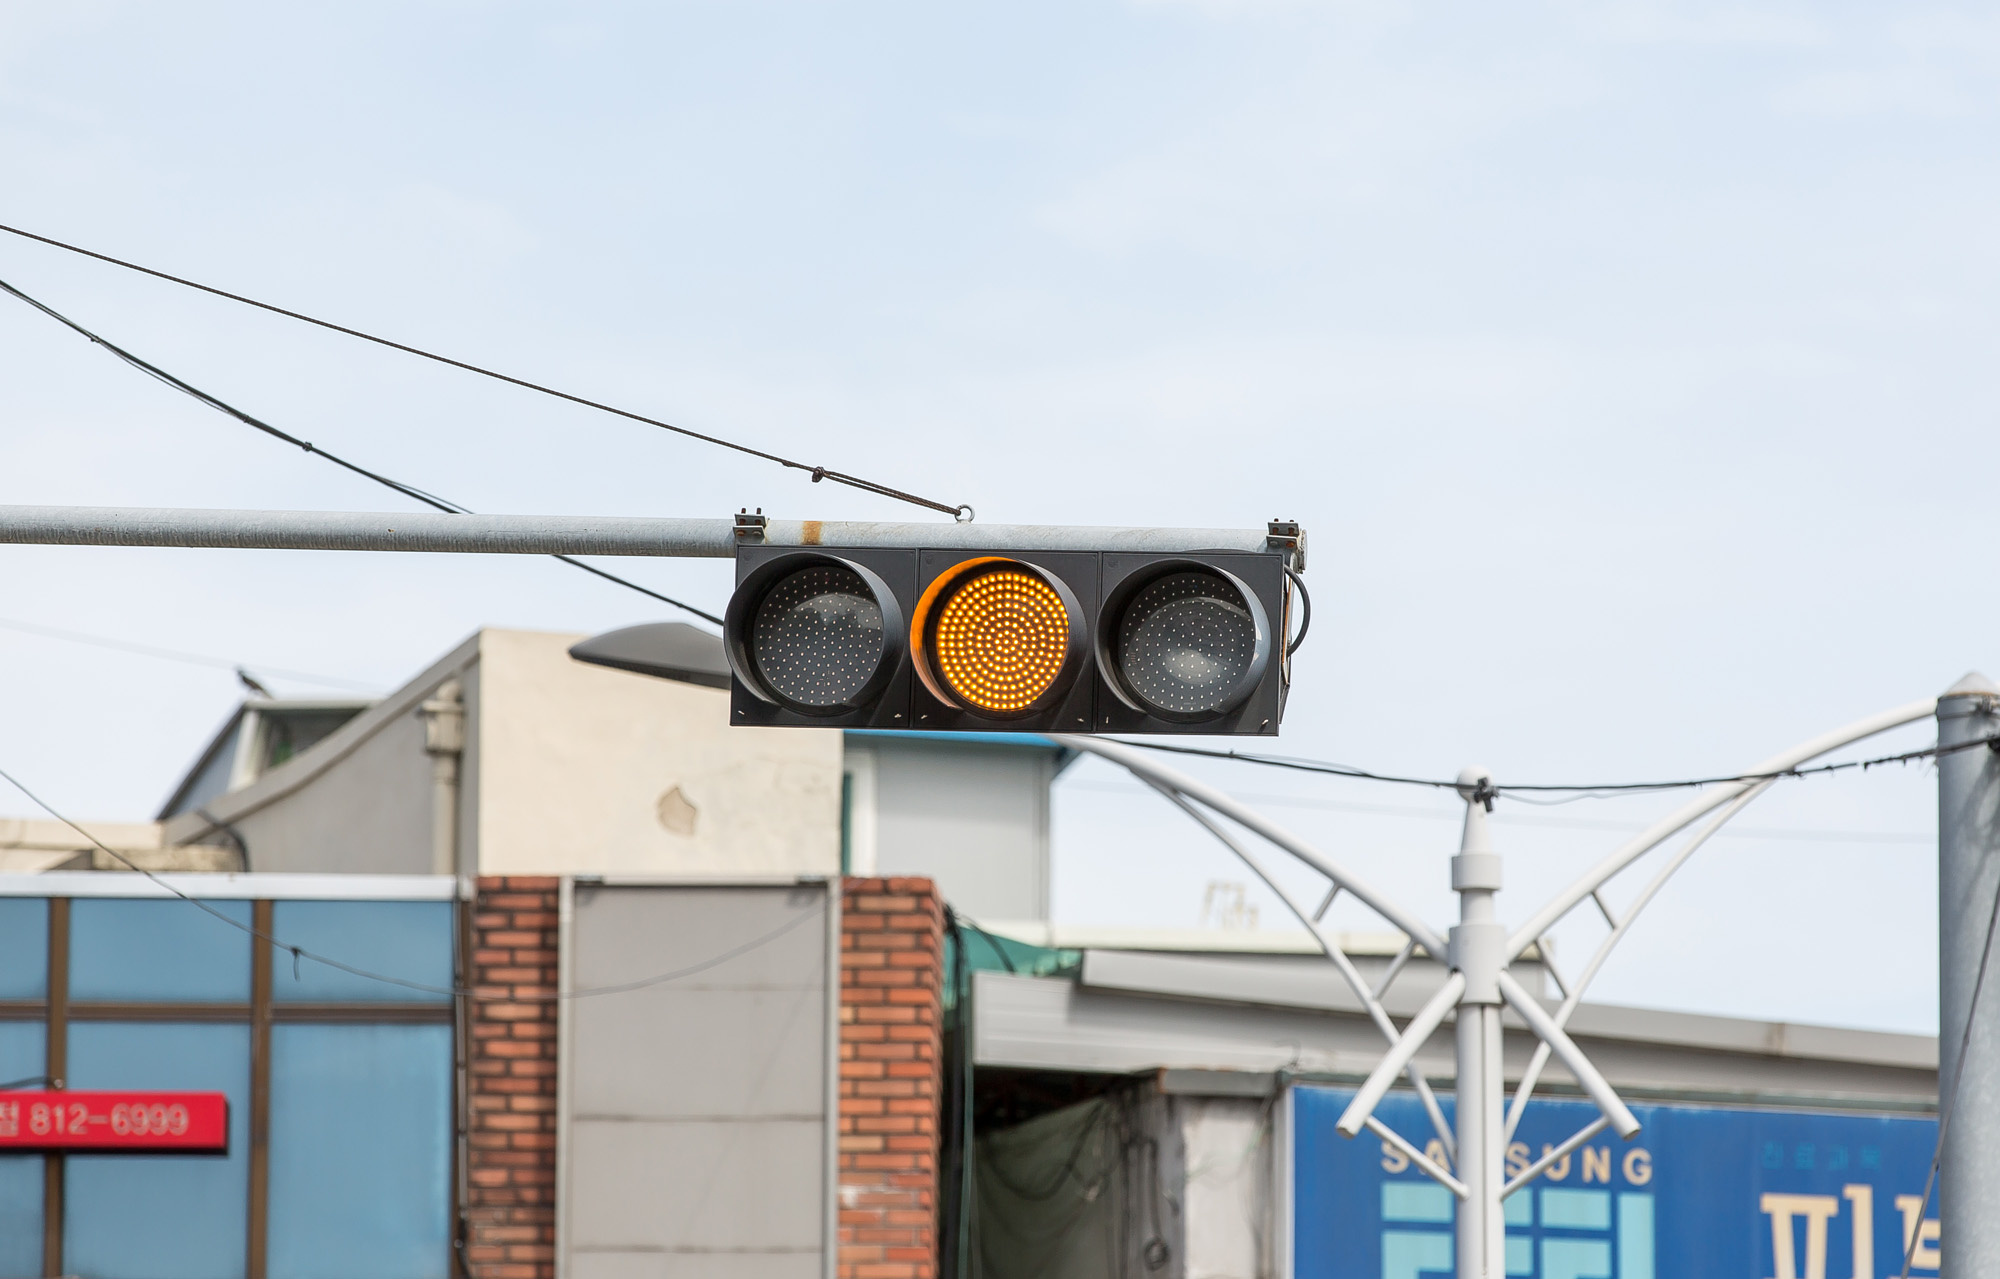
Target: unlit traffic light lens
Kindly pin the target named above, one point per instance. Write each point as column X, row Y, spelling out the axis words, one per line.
column 1002, row 639
column 1186, row 643
column 817, row 638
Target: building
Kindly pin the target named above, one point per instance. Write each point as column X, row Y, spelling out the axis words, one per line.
column 548, row 973
column 507, row 757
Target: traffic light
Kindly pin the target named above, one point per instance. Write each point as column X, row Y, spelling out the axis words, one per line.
column 1010, row 641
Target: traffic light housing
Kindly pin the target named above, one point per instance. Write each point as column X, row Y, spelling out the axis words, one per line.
column 1009, row 641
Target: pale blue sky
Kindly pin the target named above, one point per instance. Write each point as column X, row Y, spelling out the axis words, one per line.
column 1629, row 364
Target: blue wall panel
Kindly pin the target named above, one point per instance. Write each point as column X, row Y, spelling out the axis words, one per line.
column 123, row 949
column 407, row 940
column 155, row 1216
column 361, row 1143
column 22, row 1054
column 24, row 949
column 360, row 1152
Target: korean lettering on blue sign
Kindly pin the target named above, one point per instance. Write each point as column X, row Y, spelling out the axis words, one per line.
column 1709, row 1192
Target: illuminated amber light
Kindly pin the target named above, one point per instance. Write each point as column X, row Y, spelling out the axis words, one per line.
column 1001, row 639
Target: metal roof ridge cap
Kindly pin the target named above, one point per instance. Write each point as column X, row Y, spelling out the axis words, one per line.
column 1589, row 1022
column 1141, row 939
column 1259, row 991
column 298, row 771
column 1756, row 1037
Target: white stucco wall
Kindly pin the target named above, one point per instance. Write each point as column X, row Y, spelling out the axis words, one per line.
column 565, row 770
column 574, row 766
column 1226, row 1192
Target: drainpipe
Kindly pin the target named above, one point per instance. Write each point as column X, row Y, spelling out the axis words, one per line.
column 444, row 741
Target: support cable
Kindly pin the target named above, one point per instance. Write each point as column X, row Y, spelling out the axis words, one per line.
column 960, row 512
column 1512, row 790
column 1306, row 614
column 431, row 500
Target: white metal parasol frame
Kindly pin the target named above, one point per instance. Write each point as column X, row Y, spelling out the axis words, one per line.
column 1478, row 953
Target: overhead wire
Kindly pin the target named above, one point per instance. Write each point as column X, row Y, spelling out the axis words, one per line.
column 176, row 655
column 454, row 991
column 1577, row 790
column 1517, row 791
column 410, row 491
column 1514, row 790
column 1456, row 814
column 959, row 512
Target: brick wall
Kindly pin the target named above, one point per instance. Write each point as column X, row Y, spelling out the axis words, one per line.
column 891, row 1026
column 511, row 1160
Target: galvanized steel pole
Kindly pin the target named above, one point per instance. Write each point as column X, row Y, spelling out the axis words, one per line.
column 1478, row 951
column 1968, row 881
column 585, row 534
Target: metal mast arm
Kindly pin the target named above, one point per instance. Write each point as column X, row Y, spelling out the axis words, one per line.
column 566, row 534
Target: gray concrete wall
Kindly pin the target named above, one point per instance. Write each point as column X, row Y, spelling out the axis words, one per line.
column 370, row 812
column 359, row 801
column 695, row 1112
column 971, row 816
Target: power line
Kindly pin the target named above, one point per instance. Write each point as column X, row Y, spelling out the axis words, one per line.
column 818, row 473
column 1577, row 790
column 175, row 655
column 454, row 991
column 431, row 500
column 1455, row 814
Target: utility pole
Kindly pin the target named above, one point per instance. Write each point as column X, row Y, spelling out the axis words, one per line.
column 1968, row 887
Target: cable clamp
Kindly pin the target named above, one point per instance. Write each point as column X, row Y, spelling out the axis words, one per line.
column 1286, row 535
column 750, row 528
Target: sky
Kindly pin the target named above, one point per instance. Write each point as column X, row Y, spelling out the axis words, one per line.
column 1628, row 364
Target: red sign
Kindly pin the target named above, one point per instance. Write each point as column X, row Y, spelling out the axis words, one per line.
column 114, row 1121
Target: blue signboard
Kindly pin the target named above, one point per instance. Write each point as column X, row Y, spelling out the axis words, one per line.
column 1700, row 1193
